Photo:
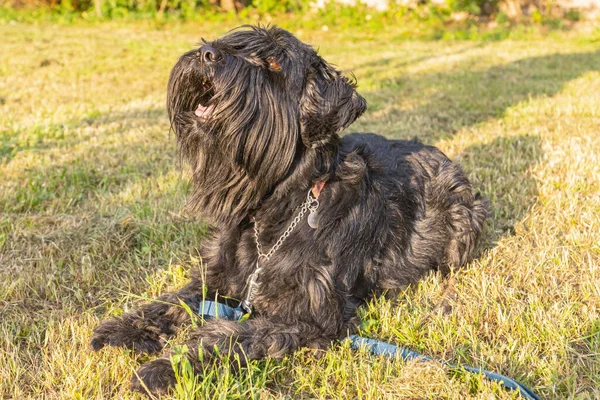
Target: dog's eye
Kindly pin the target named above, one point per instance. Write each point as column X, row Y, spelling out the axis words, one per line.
column 273, row 64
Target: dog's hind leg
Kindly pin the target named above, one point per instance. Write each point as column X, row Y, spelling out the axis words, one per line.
column 466, row 222
column 463, row 212
column 452, row 223
column 255, row 339
column 147, row 328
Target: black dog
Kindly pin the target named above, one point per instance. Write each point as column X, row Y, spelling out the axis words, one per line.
column 257, row 116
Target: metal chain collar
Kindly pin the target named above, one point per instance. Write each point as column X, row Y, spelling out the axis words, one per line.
column 252, row 285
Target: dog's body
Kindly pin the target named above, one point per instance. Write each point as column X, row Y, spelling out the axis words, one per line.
column 257, row 116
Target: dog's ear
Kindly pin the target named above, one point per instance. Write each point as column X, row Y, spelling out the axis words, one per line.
column 329, row 104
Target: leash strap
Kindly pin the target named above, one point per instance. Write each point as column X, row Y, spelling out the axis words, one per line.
column 215, row 310
column 378, row 347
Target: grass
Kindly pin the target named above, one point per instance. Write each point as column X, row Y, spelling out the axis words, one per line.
column 91, row 200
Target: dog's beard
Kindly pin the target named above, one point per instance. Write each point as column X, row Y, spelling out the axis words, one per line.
column 235, row 129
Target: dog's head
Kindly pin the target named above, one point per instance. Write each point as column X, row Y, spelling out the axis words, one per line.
column 246, row 106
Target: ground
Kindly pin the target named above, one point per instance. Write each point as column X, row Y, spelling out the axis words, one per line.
column 92, row 222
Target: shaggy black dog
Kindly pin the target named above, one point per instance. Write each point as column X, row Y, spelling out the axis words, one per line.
column 257, row 115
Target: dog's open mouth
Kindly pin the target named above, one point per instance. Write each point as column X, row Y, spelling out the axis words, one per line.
column 204, row 108
column 204, row 112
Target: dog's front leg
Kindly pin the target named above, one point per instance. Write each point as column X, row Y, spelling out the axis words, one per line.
column 252, row 340
column 147, row 328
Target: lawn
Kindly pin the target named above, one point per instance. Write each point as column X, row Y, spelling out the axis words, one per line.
column 92, row 222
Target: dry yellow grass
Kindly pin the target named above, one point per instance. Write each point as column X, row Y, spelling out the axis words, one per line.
column 90, row 201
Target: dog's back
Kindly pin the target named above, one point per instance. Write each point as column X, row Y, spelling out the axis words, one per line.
column 430, row 206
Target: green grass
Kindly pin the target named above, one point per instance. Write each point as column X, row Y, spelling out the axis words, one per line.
column 91, row 200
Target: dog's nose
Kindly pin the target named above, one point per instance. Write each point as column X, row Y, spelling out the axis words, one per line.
column 209, row 54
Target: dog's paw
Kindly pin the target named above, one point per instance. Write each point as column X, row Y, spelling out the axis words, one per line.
column 118, row 333
column 155, row 377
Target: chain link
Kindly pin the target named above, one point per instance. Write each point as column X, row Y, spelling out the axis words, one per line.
column 252, row 285
column 310, row 203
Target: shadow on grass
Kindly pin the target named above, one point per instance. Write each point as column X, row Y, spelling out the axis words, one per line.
column 75, row 177
column 61, row 229
column 42, row 137
column 502, row 169
column 383, row 63
column 458, row 99
column 448, row 102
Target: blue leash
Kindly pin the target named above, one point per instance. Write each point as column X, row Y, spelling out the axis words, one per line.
column 378, row 347
column 212, row 309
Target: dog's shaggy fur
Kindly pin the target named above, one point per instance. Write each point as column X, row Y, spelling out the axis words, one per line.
column 257, row 115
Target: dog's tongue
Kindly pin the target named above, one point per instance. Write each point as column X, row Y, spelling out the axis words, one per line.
column 204, row 112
